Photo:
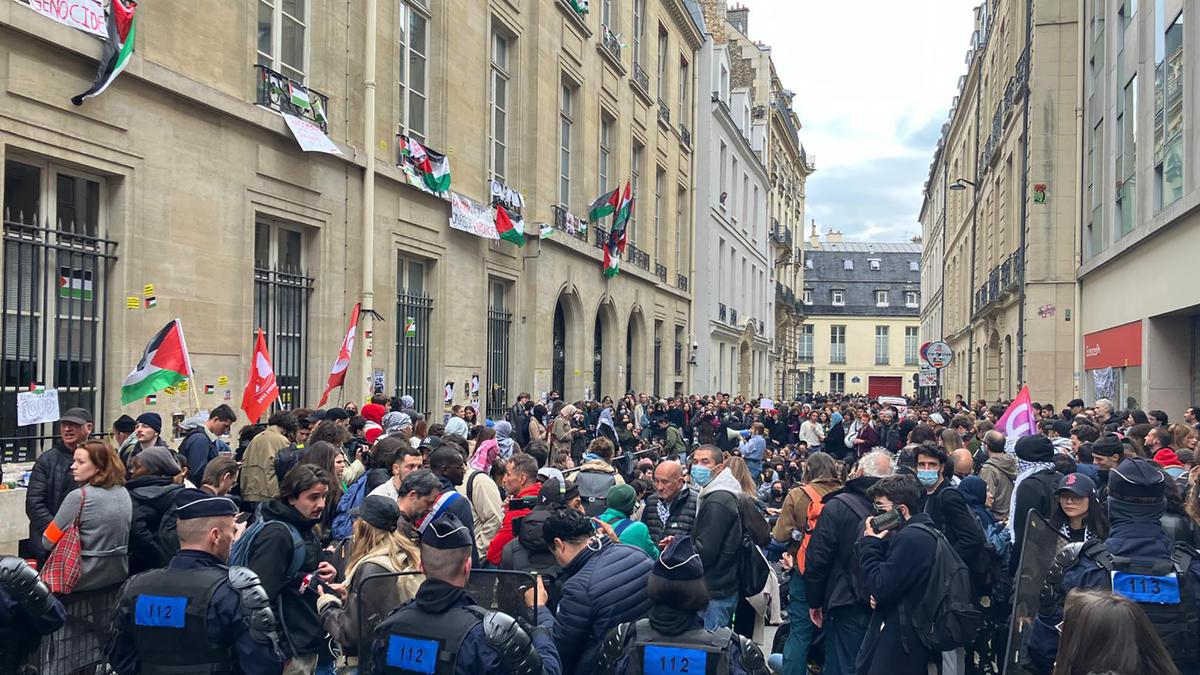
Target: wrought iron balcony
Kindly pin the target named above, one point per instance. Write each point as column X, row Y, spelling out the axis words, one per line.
column 1000, row 280
column 638, row 257
column 664, row 112
column 610, row 44
column 685, row 134
column 681, row 282
column 660, row 271
column 565, row 221
column 641, row 78
column 721, row 312
column 785, row 294
column 283, row 94
column 781, row 234
column 601, row 236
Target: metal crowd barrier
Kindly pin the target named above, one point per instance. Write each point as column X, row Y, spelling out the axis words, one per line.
column 79, row 646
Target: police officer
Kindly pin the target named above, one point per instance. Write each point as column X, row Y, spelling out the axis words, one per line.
column 27, row 612
column 444, row 632
column 1137, row 561
column 673, row 639
column 196, row 615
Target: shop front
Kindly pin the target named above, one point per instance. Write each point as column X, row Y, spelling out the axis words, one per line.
column 1112, row 363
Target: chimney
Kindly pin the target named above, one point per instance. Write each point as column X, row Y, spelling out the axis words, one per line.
column 834, row 237
column 738, row 16
column 814, row 239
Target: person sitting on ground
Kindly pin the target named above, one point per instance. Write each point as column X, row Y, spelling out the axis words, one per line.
column 622, row 500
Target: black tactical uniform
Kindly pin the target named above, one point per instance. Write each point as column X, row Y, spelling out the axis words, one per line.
column 27, row 612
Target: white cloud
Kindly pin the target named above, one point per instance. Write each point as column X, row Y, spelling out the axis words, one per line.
column 874, row 81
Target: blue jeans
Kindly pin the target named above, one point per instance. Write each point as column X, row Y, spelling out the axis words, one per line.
column 845, row 629
column 719, row 613
column 800, row 635
column 755, row 467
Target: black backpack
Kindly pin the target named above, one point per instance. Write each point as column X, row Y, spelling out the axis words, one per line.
column 945, row 616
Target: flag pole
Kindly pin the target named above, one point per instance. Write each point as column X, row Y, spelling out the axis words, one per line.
column 191, row 371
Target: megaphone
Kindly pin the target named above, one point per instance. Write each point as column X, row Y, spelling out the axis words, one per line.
column 737, row 434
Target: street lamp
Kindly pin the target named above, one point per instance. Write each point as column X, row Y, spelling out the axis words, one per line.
column 960, row 184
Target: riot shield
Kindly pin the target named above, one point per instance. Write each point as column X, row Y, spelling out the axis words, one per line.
column 498, row 590
column 1042, row 543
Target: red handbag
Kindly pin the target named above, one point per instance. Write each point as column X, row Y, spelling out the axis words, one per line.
column 65, row 564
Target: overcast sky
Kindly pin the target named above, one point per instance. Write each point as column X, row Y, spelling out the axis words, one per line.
column 874, row 80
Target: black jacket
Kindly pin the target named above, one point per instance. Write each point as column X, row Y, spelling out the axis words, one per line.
column 199, row 450
column 718, row 536
column 951, row 515
column 681, row 521
column 152, row 498
column 831, row 573
column 835, row 440
column 49, row 483
column 603, row 588
column 1035, row 492
column 270, row 554
column 896, row 569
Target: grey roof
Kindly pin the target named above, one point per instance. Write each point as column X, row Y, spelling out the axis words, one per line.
column 865, row 247
column 693, row 8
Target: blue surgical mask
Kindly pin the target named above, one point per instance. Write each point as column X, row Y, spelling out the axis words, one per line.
column 701, row 474
column 928, row 477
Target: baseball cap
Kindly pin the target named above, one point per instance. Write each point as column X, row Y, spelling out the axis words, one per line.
column 1076, row 483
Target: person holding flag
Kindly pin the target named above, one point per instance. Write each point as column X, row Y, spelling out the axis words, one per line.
column 1036, row 478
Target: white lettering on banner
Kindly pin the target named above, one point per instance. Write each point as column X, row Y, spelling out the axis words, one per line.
column 309, row 136
column 470, row 216
column 510, row 198
column 84, row 15
column 36, row 407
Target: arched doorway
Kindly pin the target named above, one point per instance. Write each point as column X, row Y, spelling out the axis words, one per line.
column 990, row 386
column 558, row 379
column 598, row 361
column 605, row 343
column 635, row 352
column 567, row 346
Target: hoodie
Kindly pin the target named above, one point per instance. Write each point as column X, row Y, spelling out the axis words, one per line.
column 717, row 533
column 151, row 497
column 999, row 472
column 504, row 439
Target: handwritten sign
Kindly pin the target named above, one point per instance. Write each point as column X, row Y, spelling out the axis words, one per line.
column 309, row 136
column 36, row 407
column 470, row 216
column 84, row 15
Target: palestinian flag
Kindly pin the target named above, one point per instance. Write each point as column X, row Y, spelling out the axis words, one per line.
column 118, row 47
column 74, row 284
column 507, row 229
column 433, row 167
column 299, row 96
column 605, row 204
column 546, row 232
column 624, row 213
column 581, row 6
column 165, row 363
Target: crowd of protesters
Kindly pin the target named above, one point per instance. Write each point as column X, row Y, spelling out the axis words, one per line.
column 880, row 538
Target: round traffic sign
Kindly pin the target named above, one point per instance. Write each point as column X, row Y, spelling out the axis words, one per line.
column 939, row 354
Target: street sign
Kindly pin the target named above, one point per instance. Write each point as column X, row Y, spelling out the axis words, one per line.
column 939, row 354
column 928, row 375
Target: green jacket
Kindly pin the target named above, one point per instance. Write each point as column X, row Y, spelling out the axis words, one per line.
column 635, row 534
column 674, row 445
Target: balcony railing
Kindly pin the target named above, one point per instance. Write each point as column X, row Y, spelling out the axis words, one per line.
column 660, row 271
column 565, row 221
column 664, row 112
column 638, row 257
column 1000, row 279
column 685, row 134
column 721, row 314
column 641, row 78
column 610, row 44
column 785, row 294
column 283, row 94
column 781, row 234
column 681, row 282
column 1012, row 93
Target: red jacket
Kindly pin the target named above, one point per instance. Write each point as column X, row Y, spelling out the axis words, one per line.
column 505, row 534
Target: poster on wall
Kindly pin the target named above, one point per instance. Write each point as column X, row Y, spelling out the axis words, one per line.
column 1105, row 382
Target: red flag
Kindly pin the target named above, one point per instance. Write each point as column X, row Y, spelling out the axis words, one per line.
column 261, row 390
column 337, row 376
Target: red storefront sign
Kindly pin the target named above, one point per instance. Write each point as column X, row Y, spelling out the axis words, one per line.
column 1115, row 347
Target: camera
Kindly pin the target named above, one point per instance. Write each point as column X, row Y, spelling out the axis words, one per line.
column 695, row 346
column 889, row 520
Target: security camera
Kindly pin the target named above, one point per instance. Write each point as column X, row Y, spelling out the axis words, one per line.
column 695, row 346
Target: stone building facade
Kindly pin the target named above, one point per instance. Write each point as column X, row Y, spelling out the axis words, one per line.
column 182, row 183
column 1008, row 154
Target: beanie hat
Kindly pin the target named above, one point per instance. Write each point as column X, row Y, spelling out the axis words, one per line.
column 158, row 461
column 1035, row 448
column 622, row 498
column 1167, row 457
column 152, row 420
column 1108, row 446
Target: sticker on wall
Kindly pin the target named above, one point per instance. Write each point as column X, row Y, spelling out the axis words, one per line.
column 133, row 302
column 1047, row 311
column 449, row 397
column 576, row 372
column 410, row 327
column 209, row 389
column 151, row 302
column 228, row 395
column 222, row 380
column 148, row 290
column 183, row 387
column 169, row 391
column 475, row 385
column 1039, row 193
column 152, row 399
column 377, row 380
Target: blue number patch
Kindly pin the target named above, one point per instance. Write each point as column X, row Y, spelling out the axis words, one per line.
column 160, row 611
column 673, row 661
column 1145, row 588
column 418, row 656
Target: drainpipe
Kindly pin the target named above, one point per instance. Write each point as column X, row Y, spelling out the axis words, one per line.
column 1025, row 194
column 974, row 221
column 1080, row 126
column 368, row 198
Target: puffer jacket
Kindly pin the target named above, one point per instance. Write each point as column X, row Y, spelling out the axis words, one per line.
column 604, row 588
column 49, row 483
column 718, row 533
column 682, row 518
column 152, row 498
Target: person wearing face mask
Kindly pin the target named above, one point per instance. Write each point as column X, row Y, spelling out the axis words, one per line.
column 949, row 511
column 603, row 585
column 196, row 615
column 717, row 532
